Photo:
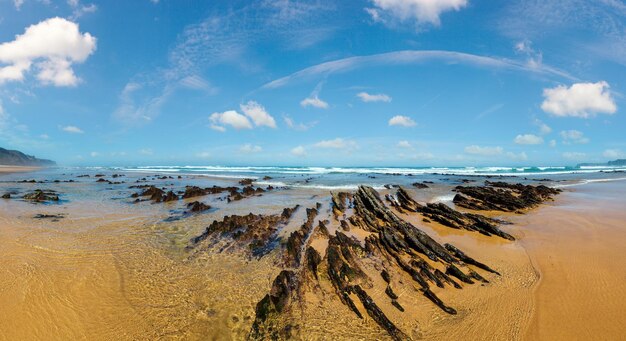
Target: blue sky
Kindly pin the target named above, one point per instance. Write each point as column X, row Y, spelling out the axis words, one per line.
column 327, row 83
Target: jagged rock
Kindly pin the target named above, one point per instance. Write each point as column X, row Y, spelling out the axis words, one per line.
column 502, row 196
column 254, row 233
column 42, row 196
column 456, row 272
column 246, row 182
column 6, row 196
column 295, row 242
column 197, row 206
column 467, row 259
column 52, row 217
column 268, row 323
column 170, row 196
column 397, row 305
column 377, row 315
column 420, row 185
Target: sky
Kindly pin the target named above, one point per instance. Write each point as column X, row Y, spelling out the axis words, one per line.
column 314, row 83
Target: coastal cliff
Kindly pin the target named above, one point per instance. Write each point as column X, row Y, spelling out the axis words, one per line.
column 17, row 158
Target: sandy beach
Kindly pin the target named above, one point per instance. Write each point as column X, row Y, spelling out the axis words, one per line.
column 103, row 267
column 17, row 169
column 577, row 244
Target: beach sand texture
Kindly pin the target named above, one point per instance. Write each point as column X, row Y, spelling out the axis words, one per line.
column 107, row 271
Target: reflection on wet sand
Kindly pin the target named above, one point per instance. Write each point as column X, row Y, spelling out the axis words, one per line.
column 110, row 269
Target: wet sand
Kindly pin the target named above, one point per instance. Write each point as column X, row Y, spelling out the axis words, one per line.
column 579, row 246
column 110, row 270
column 17, row 169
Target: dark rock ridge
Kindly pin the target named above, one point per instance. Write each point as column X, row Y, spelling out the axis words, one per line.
column 448, row 216
column 346, row 269
column 17, row 158
column 502, row 196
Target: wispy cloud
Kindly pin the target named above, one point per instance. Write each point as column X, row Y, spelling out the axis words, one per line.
column 574, row 136
column 413, row 57
column 338, row 143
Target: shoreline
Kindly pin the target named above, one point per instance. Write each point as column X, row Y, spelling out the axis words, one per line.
column 6, row 169
column 99, row 218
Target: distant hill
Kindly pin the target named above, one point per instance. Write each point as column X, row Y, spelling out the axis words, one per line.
column 620, row 162
column 17, row 158
column 614, row 163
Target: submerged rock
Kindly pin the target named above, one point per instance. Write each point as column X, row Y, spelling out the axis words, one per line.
column 42, row 196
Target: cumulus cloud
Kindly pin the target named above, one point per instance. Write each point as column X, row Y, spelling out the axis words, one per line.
column 552, row 143
column 51, row 47
column 298, row 151
column 72, row 129
column 483, row 151
column 250, row 149
column 253, row 112
column 573, row 136
column 528, row 139
column 230, row 118
column 258, row 114
column 314, row 102
column 421, row 11
column 403, row 121
column 613, row 154
column 582, row 100
column 337, row 143
column 365, row 97
column 404, row 144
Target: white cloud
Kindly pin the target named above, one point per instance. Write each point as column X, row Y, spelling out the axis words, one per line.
column 298, row 126
column 552, row 143
column 52, row 47
column 72, row 129
column 403, row 121
column 314, row 102
column 483, row 151
column 614, row 154
column 365, row 97
column 422, row 11
column 203, row 155
column 258, row 114
column 250, row 149
column 44, row 136
column 528, row 139
column 575, row 156
column 544, row 129
column 231, row 118
column 404, row 144
column 337, row 143
column 196, row 82
column 298, row 151
column 94, row 154
column 573, row 136
column 579, row 100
